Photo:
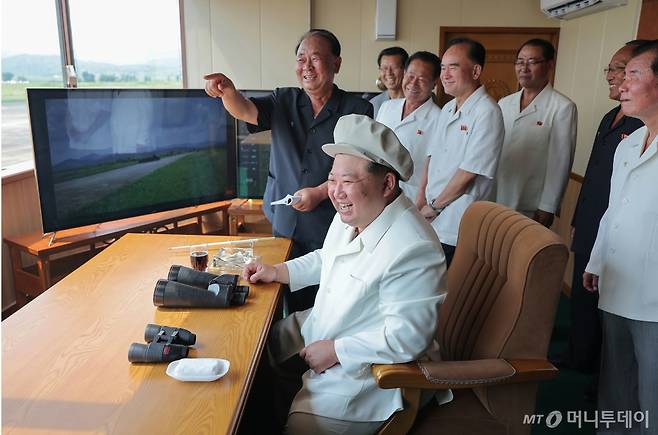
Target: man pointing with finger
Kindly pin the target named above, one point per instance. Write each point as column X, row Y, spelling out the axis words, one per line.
column 301, row 120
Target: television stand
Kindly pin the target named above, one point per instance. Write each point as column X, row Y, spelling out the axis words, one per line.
column 52, row 237
column 52, row 258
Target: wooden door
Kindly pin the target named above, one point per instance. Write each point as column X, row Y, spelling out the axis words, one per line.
column 502, row 44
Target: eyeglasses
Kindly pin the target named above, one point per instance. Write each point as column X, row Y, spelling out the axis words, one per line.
column 390, row 69
column 614, row 69
column 529, row 62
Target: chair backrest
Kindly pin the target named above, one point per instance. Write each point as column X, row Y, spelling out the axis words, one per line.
column 503, row 287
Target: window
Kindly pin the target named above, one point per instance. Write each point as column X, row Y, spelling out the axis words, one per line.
column 30, row 57
column 130, row 44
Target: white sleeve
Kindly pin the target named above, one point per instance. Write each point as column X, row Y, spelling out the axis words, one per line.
column 305, row 270
column 595, row 264
column 561, row 148
column 485, row 143
column 409, row 295
column 597, row 257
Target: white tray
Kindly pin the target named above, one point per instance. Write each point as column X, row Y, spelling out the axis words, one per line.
column 209, row 369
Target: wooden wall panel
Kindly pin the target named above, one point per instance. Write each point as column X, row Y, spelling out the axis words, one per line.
column 278, row 40
column 20, row 215
column 562, row 224
column 648, row 27
column 586, row 45
column 418, row 23
column 252, row 41
column 196, row 40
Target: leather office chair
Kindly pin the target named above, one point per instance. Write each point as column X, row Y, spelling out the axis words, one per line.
column 494, row 328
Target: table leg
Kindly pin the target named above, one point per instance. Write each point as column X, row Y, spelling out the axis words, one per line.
column 43, row 266
column 226, row 222
column 16, row 265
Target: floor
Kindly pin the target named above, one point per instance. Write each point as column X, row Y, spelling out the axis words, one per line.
column 563, row 396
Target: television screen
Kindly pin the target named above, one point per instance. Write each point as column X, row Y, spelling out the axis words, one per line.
column 253, row 155
column 106, row 154
column 254, row 152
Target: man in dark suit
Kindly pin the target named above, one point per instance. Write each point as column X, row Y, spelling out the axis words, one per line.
column 302, row 120
column 585, row 332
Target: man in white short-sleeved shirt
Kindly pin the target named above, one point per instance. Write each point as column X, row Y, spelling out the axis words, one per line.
column 540, row 138
column 462, row 164
column 391, row 63
column 414, row 118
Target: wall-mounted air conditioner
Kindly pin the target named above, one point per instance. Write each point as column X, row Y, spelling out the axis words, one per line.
column 567, row 9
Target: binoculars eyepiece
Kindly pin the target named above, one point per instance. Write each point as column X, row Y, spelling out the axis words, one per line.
column 164, row 344
column 157, row 333
column 187, row 287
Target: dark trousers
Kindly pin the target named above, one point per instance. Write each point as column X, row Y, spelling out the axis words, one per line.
column 278, row 379
column 585, row 330
column 303, row 298
column 449, row 252
column 629, row 375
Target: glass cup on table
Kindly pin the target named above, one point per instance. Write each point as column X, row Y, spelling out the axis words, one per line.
column 199, row 257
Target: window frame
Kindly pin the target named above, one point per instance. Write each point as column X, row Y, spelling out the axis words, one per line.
column 67, row 57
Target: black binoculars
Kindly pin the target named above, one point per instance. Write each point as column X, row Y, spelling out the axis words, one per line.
column 185, row 287
column 164, row 344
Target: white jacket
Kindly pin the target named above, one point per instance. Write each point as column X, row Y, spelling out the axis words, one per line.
column 625, row 254
column 378, row 299
column 416, row 132
column 537, row 153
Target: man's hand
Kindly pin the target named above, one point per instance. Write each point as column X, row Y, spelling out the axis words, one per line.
column 255, row 272
column 320, row 355
column 220, row 86
column 428, row 213
column 543, row 217
column 217, row 84
column 311, row 197
column 591, row 282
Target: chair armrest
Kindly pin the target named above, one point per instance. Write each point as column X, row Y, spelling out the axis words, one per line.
column 441, row 375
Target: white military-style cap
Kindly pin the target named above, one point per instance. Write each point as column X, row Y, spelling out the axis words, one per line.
column 361, row 136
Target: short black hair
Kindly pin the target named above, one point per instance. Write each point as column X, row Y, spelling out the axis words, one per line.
column 476, row 52
column 637, row 42
column 380, row 170
column 649, row 47
column 547, row 49
column 324, row 34
column 393, row 51
column 427, row 57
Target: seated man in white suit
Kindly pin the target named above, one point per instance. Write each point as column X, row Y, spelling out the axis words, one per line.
column 540, row 138
column 381, row 272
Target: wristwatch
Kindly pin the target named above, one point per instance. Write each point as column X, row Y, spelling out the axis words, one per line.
column 437, row 210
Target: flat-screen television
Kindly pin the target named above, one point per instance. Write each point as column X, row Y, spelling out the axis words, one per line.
column 107, row 154
column 253, row 155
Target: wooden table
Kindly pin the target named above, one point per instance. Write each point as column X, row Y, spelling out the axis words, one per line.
column 65, row 362
column 88, row 239
column 245, row 216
